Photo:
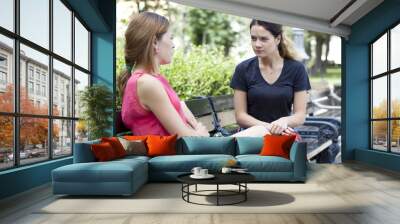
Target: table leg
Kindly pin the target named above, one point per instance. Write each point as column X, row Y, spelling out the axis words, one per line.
column 245, row 193
column 217, row 194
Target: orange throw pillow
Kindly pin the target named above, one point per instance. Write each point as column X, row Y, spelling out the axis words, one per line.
column 116, row 145
column 161, row 145
column 277, row 145
column 103, row 151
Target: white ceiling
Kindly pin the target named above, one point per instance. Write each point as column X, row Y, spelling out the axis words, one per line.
column 316, row 15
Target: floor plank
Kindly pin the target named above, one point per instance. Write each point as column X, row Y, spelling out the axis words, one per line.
column 377, row 189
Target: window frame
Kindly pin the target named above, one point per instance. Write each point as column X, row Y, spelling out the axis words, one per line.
column 388, row 74
column 16, row 114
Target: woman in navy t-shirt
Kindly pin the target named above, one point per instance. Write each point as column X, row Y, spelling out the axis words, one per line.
column 271, row 88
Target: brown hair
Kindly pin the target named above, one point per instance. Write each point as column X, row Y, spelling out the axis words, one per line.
column 285, row 47
column 143, row 30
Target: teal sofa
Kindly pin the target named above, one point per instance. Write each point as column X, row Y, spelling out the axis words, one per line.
column 125, row 176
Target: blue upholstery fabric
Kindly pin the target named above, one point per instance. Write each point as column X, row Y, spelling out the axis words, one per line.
column 184, row 163
column 257, row 163
column 249, row 145
column 119, row 177
column 298, row 155
column 83, row 152
column 206, row 145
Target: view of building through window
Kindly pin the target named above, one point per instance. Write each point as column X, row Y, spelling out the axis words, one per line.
column 38, row 87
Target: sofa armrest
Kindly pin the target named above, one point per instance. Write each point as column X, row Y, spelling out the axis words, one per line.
column 298, row 157
column 83, row 152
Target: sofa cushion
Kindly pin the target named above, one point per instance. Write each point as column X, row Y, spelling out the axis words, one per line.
column 277, row 145
column 249, row 145
column 257, row 163
column 185, row 163
column 103, row 152
column 161, row 145
column 116, row 145
column 96, row 172
column 206, row 145
column 134, row 147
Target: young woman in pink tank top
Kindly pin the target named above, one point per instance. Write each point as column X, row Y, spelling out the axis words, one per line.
column 149, row 104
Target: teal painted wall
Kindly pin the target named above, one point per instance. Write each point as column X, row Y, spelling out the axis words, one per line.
column 103, row 59
column 356, row 85
column 24, row 178
column 99, row 16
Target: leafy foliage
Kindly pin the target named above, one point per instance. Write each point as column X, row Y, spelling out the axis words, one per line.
column 33, row 130
column 380, row 111
column 208, row 27
column 96, row 102
column 201, row 71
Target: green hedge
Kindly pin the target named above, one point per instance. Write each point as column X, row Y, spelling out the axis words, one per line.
column 203, row 70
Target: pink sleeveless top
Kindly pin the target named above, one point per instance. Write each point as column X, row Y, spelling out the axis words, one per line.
column 140, row 120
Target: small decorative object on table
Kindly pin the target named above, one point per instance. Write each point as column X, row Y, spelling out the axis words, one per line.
column 231, row 165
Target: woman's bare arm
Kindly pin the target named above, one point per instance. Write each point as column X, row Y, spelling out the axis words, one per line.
column 153, row 96
column 242, row 117
column 296, row 119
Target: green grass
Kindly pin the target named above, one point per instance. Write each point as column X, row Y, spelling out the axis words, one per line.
column 332, row 76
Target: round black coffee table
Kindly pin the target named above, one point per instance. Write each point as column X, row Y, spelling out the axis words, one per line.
column 238, row 179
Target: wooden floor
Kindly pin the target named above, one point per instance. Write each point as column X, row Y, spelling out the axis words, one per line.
column 378, row 188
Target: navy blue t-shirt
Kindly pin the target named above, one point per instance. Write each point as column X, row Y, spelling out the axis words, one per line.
column 269, row 102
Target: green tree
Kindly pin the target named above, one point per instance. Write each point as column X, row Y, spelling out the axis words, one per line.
column 211, row 28
column 321, row 39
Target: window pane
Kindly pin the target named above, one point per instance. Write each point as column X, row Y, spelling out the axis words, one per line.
column 81, row 81
column 33, row 140
column 6, row 74
column 34, row 78
column 62, row 29
column 6, row 142
column 379, row 135
column 62, row 141
column 379, row 98
column 81, row 45
column 35, row 21
column 81, row 131
column 395, row 47
column 395, row 136
column 379, row 55
column 62, row 89
column 395, row 95
column 7, row 14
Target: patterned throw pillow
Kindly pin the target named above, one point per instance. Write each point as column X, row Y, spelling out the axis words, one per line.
column 133, row 147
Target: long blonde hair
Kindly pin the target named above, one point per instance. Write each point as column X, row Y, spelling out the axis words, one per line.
column 285, row 47
column 142, row 32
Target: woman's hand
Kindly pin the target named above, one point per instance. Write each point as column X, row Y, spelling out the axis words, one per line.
column 289, row 131
column 280, row 126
